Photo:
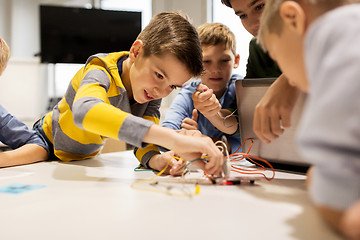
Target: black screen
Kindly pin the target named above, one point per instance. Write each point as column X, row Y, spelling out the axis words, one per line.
column 71, row 35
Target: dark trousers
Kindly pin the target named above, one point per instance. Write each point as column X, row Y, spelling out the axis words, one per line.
column 38, row 128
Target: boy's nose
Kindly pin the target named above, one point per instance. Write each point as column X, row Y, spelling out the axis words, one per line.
column 256, row 29
column 215, row 68
column 162, row 91
column 255, row 24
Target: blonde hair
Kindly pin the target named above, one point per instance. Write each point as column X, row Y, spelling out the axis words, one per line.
column 172, row 32
column 217, row 33
column 4, row 54
column 271, row 21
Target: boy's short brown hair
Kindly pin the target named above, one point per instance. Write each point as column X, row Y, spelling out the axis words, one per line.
column 217, row 33
column 271, row 21
column 4, row 54
column 170, row 32
column 227, row 3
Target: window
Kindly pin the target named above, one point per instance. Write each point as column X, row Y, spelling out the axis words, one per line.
column 226, row 15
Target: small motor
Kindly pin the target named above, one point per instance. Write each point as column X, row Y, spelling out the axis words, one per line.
column 226, row 165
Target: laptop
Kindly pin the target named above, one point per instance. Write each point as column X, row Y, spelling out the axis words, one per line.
column 282, row 152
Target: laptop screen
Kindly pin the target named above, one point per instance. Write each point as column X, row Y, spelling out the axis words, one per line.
column 282, row 150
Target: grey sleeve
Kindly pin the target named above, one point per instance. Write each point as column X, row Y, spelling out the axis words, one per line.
column 134, row 129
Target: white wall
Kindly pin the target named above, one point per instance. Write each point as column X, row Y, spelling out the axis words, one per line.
column 199, row 11
column 25, row 28
column 5, row 19
column 20, row 26
column 22, row 91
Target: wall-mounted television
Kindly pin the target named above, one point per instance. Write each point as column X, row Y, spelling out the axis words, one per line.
column 71, row 35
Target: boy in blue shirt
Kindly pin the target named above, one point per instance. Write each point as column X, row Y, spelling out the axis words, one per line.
column 316, row 44
column 207, row 104
column 29, row 147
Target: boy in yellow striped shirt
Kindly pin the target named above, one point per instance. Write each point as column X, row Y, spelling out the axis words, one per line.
column 118, row 95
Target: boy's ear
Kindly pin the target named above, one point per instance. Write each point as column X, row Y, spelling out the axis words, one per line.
column 236, row 61
column 135, row 49
column 293, row 16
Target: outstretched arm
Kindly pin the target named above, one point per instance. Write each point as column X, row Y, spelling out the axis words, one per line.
column 188, row 147
column 345, row 222
column 26, row 154
column 273, row 112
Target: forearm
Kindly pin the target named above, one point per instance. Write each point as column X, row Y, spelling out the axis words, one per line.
column 189, row 145
column 223, row 122
column 283, row 84
column 334, row 218
column 162, row 136
column 29, row 153
column 331, row 217
column 273, row 112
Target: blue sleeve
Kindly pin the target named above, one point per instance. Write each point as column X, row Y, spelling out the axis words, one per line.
column 15, row 133
column 180, row 109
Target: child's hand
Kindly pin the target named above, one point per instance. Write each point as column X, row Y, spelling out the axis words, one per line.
column 350, row 222
column 159, row 161
column 273, row 113
column 189, row 145
column 191, row 123
column 193, row 144
column 205, row 101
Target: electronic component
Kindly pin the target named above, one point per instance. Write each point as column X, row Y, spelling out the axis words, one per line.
column 234, row 180
column 226, row 167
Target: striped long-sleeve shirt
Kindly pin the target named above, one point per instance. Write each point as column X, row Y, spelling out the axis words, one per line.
column 96, row 106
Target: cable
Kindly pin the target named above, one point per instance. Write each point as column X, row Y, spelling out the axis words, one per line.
column 236, row 156
column 226, row 117
column 251, row 158
column 140, row 169
column 133, row 185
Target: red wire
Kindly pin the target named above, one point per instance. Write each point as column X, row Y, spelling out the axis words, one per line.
column 250, row 157
column 249, row 139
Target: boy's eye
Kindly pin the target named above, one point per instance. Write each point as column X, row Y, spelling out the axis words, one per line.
column 225, row 60
column 206, row 61
column 158, row 75
column 260, row 6
column 173, row 87
column 242, row 16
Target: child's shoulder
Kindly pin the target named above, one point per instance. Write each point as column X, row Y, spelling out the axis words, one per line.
column 191, row 86
column 236, row 76
column 3, row 111
column 107, row 59
column 233, row 79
